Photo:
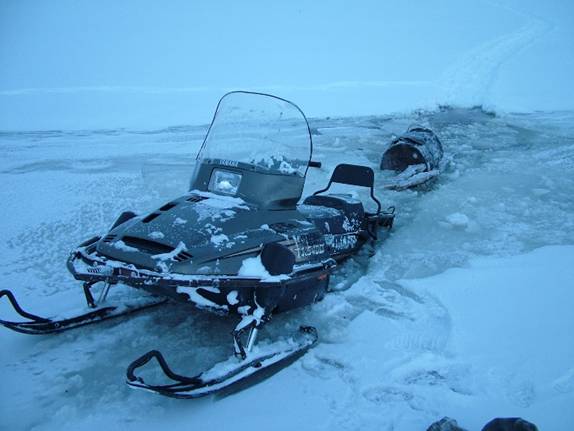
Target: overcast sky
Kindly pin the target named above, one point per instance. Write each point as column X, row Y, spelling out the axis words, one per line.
column 149, row 63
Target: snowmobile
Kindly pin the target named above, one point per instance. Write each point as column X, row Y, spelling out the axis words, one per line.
column 239, row 242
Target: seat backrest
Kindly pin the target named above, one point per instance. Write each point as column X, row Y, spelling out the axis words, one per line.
column 354, row 175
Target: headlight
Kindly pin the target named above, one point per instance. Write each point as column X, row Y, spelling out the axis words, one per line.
column 225, row 182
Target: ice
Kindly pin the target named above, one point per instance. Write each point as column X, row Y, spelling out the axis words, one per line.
column 457, row 220
column 464, row 311
column 405, row 339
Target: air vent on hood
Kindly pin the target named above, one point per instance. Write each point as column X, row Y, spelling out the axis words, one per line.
column 283, row 226
column 167, row 206
column 109, row 238
column 146, row 245
column 195, row 198
column 150, row 217
column 182, row 256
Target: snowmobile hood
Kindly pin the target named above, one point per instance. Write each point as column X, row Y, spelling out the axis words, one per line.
column 199, row 233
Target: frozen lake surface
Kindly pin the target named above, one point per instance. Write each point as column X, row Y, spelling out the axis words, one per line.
column 464, row 311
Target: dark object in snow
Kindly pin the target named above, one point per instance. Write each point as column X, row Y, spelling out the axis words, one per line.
column 445, row 424
column 509, row 424
column 237, row 243
column 415, row 155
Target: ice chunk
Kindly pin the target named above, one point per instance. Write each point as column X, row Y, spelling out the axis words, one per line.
column 458, row 220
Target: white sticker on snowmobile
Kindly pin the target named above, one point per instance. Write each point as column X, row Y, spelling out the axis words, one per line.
column 304, row 250
column 99, row 270
column 340, row 242
column 230, row 163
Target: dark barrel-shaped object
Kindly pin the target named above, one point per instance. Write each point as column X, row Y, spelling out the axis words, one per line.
column 419, row 145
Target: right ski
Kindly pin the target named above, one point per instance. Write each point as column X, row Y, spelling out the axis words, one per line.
column 227, row 375
column 37, row 325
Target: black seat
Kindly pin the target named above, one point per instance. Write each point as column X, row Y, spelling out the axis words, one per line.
column 326, row 219
column 351, row 212
column 354, row 175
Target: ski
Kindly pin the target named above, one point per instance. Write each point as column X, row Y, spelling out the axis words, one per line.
column 412, row 176
column 36, row 325
column 224, row 376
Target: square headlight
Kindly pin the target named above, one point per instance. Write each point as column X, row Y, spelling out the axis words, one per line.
column 225, row 182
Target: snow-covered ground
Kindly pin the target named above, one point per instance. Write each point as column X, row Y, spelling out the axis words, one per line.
column 466, row 310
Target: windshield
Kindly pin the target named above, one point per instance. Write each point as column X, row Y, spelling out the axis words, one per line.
column 266, row 132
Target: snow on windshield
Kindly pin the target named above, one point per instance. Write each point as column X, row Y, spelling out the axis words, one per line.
column 261, row 130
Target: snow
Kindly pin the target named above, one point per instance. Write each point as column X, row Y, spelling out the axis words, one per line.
column 156, row 235
column 400, row 345
column 404, row 345
column 253, row 267
column 219, row 240
column 464, row 311
column 457, row 220
column 232, row 297
column 217, row 206
column 199, row 300
column 179, row 221
column 516, row 338
column 120, row 245
column 172, row 254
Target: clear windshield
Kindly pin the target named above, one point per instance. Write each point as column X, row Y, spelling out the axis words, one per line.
column 260, row 130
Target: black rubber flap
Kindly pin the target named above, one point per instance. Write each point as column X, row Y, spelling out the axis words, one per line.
column 277, row 259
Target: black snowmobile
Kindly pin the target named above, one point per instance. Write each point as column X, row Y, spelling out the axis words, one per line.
column 238, row 242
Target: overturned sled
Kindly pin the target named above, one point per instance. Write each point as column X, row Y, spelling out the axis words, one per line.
column 415, row 156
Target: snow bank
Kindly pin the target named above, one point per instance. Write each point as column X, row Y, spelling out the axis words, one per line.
column 512, row 323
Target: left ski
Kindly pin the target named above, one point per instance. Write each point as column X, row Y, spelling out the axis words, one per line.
column 36, row 325
column 225, row 375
